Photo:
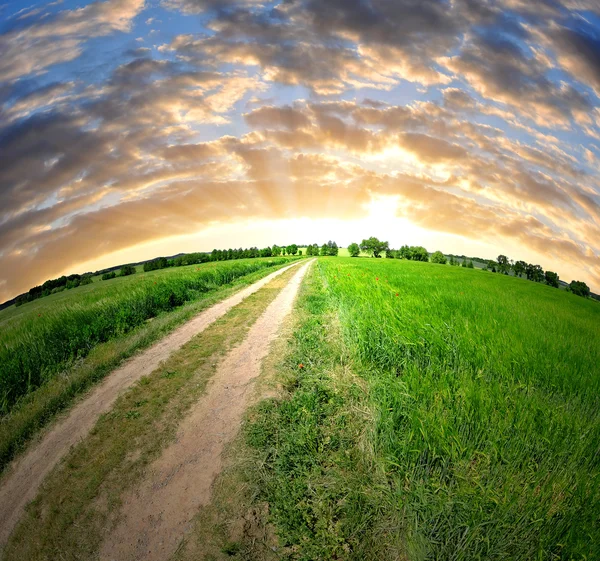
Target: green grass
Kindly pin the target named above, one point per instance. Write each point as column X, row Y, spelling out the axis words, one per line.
column 50, row 321
column 79, row 503
column 471, row 432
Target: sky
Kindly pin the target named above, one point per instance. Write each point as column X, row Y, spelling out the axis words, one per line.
column 131, row 129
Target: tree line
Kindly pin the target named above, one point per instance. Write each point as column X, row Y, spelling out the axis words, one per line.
column 327, row 249
column 220, row 255
column 53, row 286
column 535, row 273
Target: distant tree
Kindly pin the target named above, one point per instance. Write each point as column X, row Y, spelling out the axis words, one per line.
column 85, row 279
column 439, row 257
column 519, row 268
column 333, row 249
column 374, row 247
column 551, row 279
column 579, row 288
column 404, row 253
column 470, row 265
column 275, row 251
column 292, row 249
column 419, row 253
column 535, row 273
column 108, row 276
column 354, row 250
column 503, row 264
column 300, row 252
column 452, row 262
column 492, row 266
column 391, row 253
column 127, row 270
column 464, row 263
column 324, row 250
column 72, row 283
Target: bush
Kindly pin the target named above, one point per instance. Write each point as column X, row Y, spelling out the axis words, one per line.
column 108, row 276
column 439, row 257
column 127, row 270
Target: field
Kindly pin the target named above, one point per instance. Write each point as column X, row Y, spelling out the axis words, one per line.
column 43, row 343
column 434, row 413
column 409, row 411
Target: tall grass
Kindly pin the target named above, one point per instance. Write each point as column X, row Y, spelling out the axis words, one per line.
column 486, row 392
column 40, row 342
column 439, row 413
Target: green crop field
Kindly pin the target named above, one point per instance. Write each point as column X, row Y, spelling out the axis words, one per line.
column 434, row 412
column 44, row 342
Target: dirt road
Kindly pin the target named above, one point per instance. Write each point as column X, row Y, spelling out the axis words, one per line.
column 27, row 473
column 156, row 515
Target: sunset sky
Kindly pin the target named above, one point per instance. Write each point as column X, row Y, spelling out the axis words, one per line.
column 131, row 129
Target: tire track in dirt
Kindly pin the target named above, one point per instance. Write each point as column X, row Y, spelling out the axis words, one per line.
column 156, row 516
column 21, row 483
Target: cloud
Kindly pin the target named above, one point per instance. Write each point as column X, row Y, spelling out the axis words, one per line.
column 501, row 71
column 203, row 130
column 578, row 53
column 44, row 42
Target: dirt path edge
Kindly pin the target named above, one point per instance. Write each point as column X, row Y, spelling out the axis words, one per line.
column 157, row 514
column 20, row 484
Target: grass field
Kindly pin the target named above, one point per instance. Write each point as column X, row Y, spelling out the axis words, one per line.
column 420, row 412
column 54, row 348
column 433, row 412
column 80, row 502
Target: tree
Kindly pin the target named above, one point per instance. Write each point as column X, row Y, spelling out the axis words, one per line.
column 439, row 257
column 333, row 249
column 464, row 262
column 374, row 247
column 551, row 279
column 503, row 264
column 470, row 265
column 108, row 276
column 127, row 270
column 419, row 253
column 492, row 265
column 275, row 251
column 535, row 273
column 452, row 262
column 324, row 249
column 404, row 253
column 580, row 289
column 519, row 268
column 292, row 249
column 390, row 254
column 354, row 250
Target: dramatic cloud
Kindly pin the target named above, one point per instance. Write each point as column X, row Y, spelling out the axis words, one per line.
column 478, row 119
